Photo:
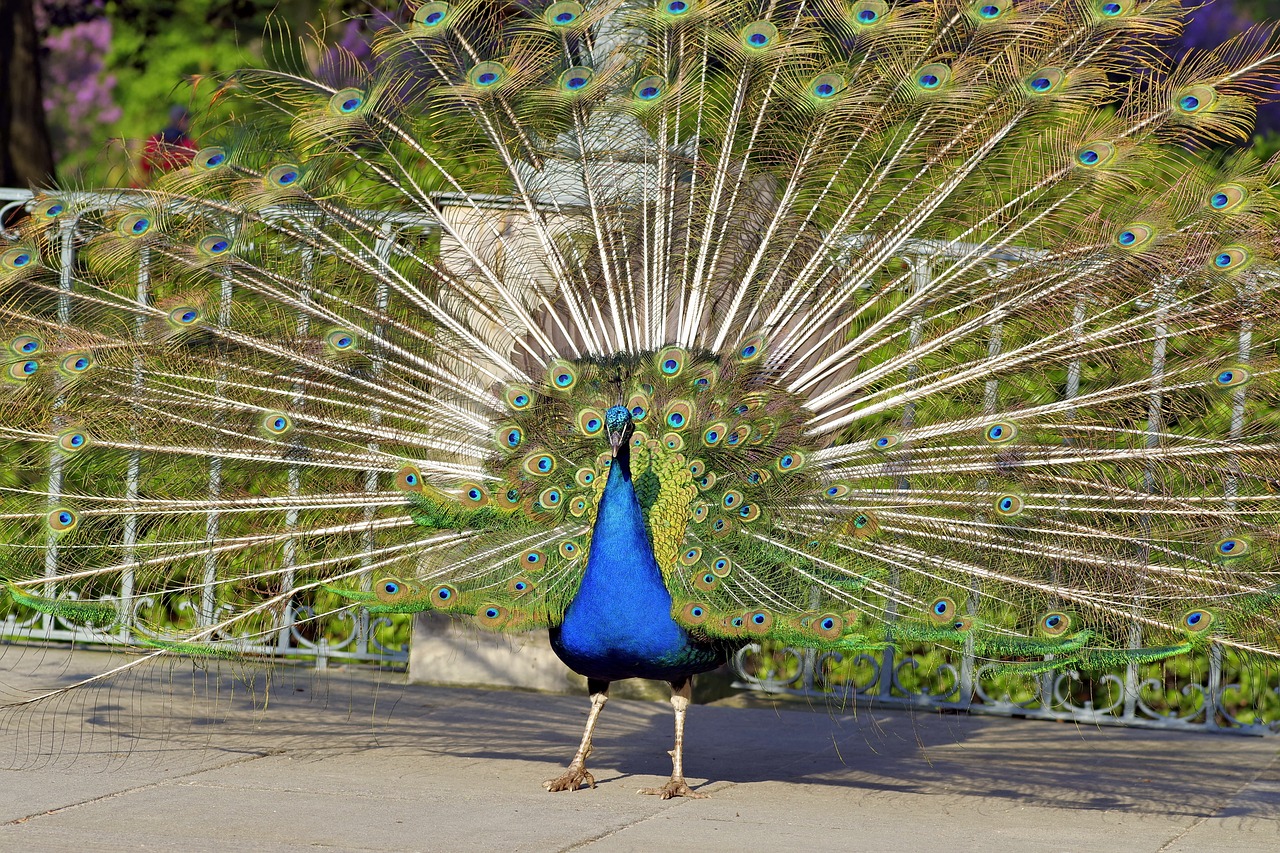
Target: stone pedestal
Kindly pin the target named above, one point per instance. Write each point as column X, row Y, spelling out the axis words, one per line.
column 453, row 651
column 457, row 653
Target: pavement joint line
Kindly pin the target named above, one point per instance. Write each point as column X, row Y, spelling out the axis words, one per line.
column 609, row 833
column 1275, row 759
column 243, row 759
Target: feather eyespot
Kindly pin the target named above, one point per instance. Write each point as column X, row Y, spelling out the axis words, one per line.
column 62, row 520
column 1196, row 621
column 341, row 340
column 1055, row 624
column 19, row 258
column 1232, row 548
column 712, row 435
column 533, row 559
column 76, row 363
column 1232, row 377
column 562, row 376
column 72, row 441
column 1008, row 505
column 563, row 13
column 827, row 87
column 591, row 421
column 649, row 89
column 209, row 158
column 409, row 479
column 214, row 245
column 346, row 102
column 1096, row 154
column 942, row 610
column 283, row 176
column 432, row 16
column 790, row 462
column 487, row 75
column 671, row 361
column 539, row 464
column 576, row 79
column 933, row 77
column 1134, row 236
column 759, row 622
column 1045, row 81
column 886, row 442
column 752, row 349
column 1231, row 258
column 184, row 316
column 518, row 397
column 1001, row 432
column 1113, row 8
column 392, row 590
column 48, row 208
column 473, row 495
column 26, row 345
column 20, row 371
column 679, row 414
column 827, row 626
column 694, row 614
column 1194, row 100
column 134, row 224
column 492, row 616
column 868, row 12
column 705, row 581
column 277, row 423
column 986, row 11
column 758, row 35
column 1228, row 198
column 862, row 525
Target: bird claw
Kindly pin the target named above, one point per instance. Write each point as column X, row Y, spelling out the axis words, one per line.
column 674, row 788
column 570, row 780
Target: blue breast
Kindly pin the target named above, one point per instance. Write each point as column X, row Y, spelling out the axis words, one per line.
column 619, row 624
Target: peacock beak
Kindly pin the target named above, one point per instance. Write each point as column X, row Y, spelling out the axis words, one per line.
column 615, row 441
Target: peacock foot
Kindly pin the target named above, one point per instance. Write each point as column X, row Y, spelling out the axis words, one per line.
column 674, row 788
column 571, row 779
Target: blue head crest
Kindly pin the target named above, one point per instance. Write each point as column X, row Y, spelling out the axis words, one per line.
column 617, row 418
column 619, row 425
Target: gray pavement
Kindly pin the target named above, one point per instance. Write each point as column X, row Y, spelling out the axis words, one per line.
column 362, row 762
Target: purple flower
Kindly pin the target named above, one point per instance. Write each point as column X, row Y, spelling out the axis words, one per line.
column 78, row 98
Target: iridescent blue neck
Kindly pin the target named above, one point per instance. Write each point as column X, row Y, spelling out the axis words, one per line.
column 620, row 549
column 619, row 624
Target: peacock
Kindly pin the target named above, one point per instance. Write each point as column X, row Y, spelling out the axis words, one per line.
column 833, row 324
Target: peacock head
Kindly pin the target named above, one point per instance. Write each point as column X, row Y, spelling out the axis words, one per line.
column 617, row 422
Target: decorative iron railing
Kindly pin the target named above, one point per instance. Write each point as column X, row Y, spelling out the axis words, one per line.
column 1207, row 694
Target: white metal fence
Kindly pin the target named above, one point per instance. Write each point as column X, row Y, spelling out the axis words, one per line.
column 894, row 677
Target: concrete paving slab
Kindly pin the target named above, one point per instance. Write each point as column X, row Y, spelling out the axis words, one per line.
column 360, row 762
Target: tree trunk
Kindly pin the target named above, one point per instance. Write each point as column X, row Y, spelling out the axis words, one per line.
column 26, row 155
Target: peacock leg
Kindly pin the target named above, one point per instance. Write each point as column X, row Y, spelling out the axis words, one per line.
column 576, row 774
column 681, row 693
